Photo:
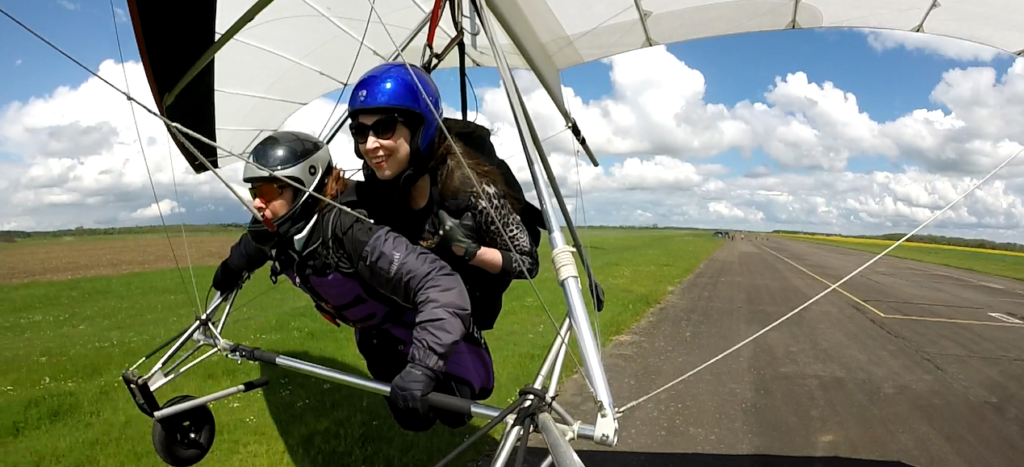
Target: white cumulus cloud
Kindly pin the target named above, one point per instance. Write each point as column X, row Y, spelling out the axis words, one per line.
column 164, row 207
column 78, row 160
column 810, row 130
column 959, row 49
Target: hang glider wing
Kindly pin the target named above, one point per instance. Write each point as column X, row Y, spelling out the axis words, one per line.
column 235, row 70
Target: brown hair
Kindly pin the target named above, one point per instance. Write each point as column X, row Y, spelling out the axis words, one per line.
column 453, row 176
column 336, row 185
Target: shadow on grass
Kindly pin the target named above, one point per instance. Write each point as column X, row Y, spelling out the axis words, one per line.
column 323, row 423
column 664, row 459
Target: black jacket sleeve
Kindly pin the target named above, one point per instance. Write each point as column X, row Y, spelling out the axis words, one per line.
column 245, row 256
column 413, row 276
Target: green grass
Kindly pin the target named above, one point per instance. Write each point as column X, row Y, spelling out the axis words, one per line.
column 65, row 344
column 995, row 263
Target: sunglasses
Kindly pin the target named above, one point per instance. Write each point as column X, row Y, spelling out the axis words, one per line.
column 268, row 191
column 382, row 128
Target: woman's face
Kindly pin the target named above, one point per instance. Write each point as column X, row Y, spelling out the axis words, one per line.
column 272, row 199
column 383, row 142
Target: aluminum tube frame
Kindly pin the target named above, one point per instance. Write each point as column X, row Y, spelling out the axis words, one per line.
column 330, row 374
column 571, row 287
column 552, row 358
column 377, row 387
column 184, row 406
column 196, row 325
column 559, row 447
column 550, row 368
column 202, row 332
column 336, row 128
column 578, row 244
column 508, row 443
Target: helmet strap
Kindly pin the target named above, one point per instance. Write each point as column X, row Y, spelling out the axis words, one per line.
column 269, row 224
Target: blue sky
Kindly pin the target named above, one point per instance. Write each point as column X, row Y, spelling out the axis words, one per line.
column 887, row 84
column 85, row 33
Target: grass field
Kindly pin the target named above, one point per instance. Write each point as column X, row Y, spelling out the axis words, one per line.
column 995, row 262
column 66, row 342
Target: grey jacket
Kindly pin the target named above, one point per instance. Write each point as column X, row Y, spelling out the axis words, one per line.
column 402, row 275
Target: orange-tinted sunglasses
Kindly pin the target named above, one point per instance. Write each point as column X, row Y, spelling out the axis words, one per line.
column 267, row 192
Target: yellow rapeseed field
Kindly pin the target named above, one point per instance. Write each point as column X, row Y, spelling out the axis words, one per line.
column 873, row 241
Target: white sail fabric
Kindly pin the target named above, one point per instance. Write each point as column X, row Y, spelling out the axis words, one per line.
column 295, row 51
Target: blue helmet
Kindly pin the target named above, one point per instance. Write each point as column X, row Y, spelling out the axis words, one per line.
column 390, row 86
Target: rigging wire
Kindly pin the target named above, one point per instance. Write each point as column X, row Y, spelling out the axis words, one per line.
column 142, row 147
column 177, row 129
column 181, row 213
column 476, row 183
column 476, row 101
column 621, row 410
column 352, row 69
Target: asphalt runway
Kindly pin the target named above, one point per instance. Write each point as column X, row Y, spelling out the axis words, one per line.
column 911, row 364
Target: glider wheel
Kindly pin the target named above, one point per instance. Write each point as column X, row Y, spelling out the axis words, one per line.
column 183, row 439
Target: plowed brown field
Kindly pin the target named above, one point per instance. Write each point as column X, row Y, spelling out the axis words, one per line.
column 71, row 257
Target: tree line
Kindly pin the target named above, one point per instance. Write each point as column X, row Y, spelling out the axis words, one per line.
column 15, row 235
column 175, row 230
column 8, row 236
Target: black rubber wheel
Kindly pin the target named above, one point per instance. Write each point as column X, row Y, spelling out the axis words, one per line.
column 183, row 439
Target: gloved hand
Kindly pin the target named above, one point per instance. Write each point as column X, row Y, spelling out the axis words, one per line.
column 226, row 278
column 410, row 387
column 245, row 256
column 457, row 235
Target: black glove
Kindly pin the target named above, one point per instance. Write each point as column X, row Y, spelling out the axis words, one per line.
column 410, row 387
column 226, row 278
column 457, row 234
column 245, row 256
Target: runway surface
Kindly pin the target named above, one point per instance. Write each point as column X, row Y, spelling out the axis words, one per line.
column 915, row 364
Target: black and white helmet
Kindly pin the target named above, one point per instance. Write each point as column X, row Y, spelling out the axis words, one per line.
column 299, row 157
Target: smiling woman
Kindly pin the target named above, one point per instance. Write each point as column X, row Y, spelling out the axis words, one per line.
column 416, row 181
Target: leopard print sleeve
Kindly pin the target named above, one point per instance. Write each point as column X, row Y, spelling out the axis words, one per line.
column 519, row 260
